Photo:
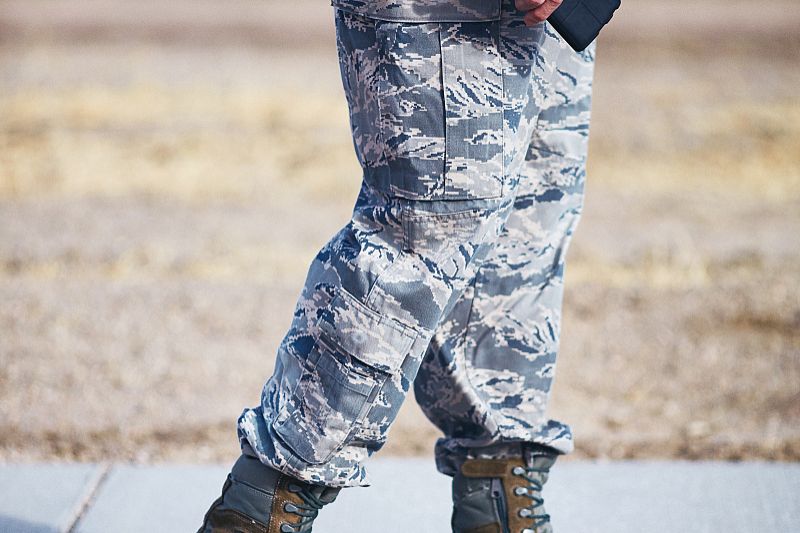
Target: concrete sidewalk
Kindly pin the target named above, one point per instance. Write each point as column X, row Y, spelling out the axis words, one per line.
column 409, row 496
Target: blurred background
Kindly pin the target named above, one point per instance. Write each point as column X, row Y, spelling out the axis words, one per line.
column 169, row 169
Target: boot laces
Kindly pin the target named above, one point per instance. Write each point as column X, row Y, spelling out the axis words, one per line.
column 532, row 491
column 307, row 511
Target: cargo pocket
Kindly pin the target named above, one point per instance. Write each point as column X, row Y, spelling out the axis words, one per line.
column 357, row 351
column 440, row 97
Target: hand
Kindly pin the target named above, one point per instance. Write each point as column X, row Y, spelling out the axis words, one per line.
column 537, row 10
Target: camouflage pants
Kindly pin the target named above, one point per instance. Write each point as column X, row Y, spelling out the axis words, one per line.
column 448, row 276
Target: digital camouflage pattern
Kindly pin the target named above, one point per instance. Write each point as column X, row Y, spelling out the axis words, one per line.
column 448, row 276
column 423, row 10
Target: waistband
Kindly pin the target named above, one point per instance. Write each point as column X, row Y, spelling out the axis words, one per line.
column 423, row 10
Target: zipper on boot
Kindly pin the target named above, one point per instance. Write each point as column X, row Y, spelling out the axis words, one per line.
column 497, row 495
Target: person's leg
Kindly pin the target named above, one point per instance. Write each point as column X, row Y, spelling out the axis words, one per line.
column 441, row 116
column 487, row 374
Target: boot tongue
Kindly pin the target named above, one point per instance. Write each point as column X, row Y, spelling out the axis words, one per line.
column 538, row 457
column 325, row 494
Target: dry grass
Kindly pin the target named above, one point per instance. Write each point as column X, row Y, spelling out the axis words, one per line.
column 159, row 205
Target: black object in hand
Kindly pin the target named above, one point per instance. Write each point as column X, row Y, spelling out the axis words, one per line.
column 580, row 21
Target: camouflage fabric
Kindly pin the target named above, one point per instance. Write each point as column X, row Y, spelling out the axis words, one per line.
column 448, row 276
column 424, row 10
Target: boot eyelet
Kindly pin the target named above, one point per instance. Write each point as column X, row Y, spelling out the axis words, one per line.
column 520, row 491
column 289, row 507
column 518, row 471
column 286, row 528
column 525, row 513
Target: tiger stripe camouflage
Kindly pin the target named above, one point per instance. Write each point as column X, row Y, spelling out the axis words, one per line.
column 472, row 137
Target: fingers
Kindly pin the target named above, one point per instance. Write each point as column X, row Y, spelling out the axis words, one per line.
column 540, row 13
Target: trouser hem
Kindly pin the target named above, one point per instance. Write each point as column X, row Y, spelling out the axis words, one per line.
column 450, row 454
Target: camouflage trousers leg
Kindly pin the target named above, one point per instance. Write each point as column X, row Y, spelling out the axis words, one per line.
column 442, row 116
column 487, row 374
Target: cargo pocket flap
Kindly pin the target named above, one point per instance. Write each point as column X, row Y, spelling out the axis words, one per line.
column 375, row 340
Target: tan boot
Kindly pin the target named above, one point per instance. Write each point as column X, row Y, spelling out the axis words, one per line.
column 501, row 496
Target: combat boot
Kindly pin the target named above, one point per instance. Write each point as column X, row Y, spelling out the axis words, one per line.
column 259, row 499
column 501, row 495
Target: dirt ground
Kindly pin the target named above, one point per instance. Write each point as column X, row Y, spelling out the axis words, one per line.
column 167, row 174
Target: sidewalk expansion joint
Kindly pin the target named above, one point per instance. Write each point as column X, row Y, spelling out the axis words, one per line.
column 90, row 497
